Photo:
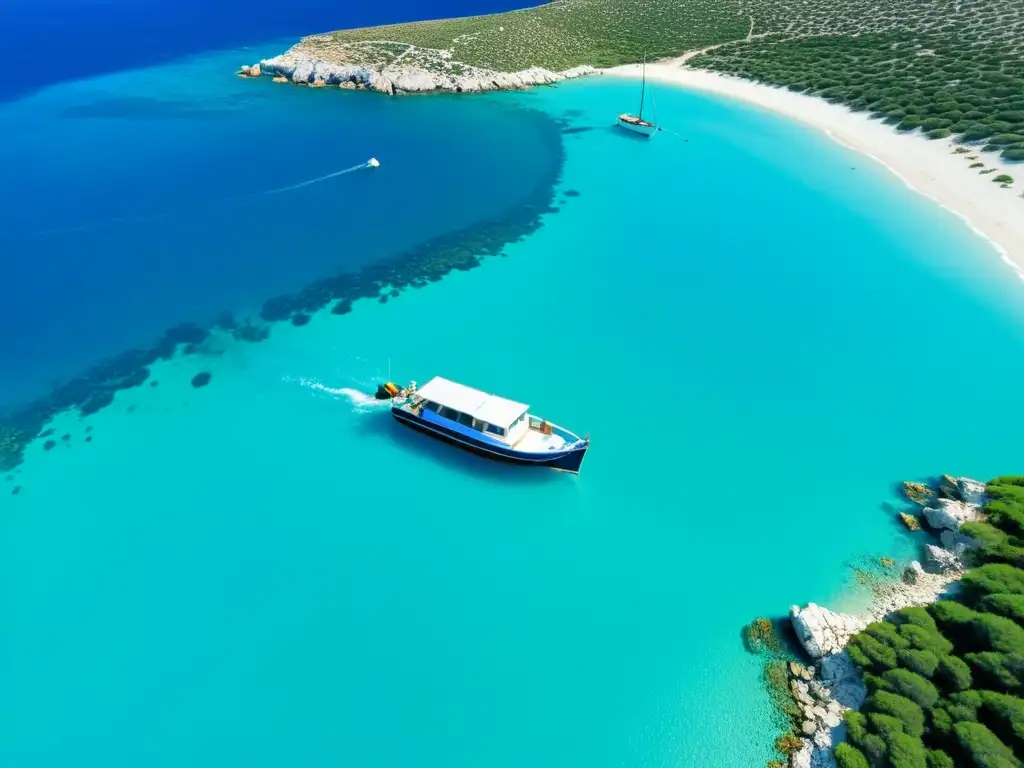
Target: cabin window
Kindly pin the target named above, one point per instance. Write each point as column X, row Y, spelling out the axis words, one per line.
column 466, row 420
column 448, row 413
column 429, row 406
column 495, row 430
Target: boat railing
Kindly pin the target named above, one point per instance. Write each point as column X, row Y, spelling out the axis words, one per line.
column 569, row 437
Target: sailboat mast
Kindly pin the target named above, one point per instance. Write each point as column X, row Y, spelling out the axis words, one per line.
column 643, row 86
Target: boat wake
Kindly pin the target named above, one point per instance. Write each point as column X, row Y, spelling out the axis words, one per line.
column 113, row 220
column 371, row 163
column 360, row 400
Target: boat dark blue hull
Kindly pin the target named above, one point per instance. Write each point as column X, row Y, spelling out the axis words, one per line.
column 567, row 460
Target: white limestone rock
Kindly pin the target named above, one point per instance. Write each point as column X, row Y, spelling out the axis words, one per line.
column 822, row 740
column 948, row 514
column 941, row 560
column 803, row 756
column 844, row 680
column 821, row 631
column 408, row 77
column 957, row 543
column 302, row 72
column 972, row 491
column 912, row 573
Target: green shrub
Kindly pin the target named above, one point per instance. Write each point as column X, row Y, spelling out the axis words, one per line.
column 953, row 673
column 963, row 706
column 903, row 709
column 885, row 725
column 907, row 752
column 921, row 662
column 991, row 578
column 869, row 653
column 926, row 639
column 1013, row 154
column 1003, row 178
column 1000, row 634
column 1006, row 514
column 874, row 748
column 913, row 686
column 1010, row 492
column 1004, row 716
column 984, row 747
column 909, row 123
column 848, row 756
column 942, row 723
column 996, row 670
column 1009, row 606
column 938, row 133
column 886, row 633
column 874, row 682
column 1006, row 138
column 975, row 133
column 986, row 534
column 856, row 725
column 915, row 616
column 996, row 545
column 938, row 759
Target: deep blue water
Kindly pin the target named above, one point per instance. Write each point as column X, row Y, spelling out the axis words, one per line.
column 133, row 202
column 47, row 41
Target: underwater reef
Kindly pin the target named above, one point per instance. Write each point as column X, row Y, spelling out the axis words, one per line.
column 427, row 262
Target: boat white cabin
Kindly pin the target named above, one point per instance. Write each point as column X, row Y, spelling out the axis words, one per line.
column 495, row 426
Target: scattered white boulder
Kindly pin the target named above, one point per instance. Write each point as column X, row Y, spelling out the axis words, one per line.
column 821, row 631
column 843, row 678
column 913, row 573
column 941, row 560
column 971, row 491
column 948, row 514
column 957, row 543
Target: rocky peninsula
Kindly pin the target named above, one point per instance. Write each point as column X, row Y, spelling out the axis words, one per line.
column 394, row 68
column 820, row 692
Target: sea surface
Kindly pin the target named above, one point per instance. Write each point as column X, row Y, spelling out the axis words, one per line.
column 761, row 331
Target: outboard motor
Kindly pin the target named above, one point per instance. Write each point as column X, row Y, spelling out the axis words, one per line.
column 387, row 391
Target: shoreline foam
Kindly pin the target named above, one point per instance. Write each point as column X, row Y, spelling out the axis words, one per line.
column 927, row 167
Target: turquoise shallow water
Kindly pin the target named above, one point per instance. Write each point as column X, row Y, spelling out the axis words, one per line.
column 761, row 331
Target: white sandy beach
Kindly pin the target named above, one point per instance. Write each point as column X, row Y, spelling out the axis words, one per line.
column 929, row 167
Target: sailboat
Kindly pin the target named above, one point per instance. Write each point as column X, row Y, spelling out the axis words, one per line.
column 636, row 123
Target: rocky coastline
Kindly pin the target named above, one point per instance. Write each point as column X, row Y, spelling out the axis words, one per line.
column 400, row 74
column 832, row 683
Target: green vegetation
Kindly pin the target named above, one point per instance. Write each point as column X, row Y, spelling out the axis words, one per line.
column 964, row 75
column 948, row 67
column 945, row 682
column 1004, row 178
